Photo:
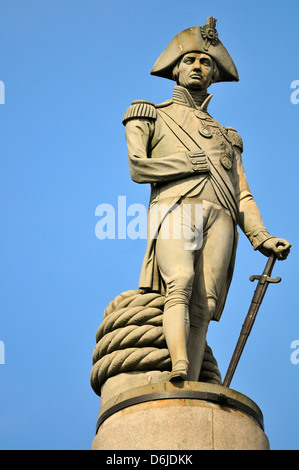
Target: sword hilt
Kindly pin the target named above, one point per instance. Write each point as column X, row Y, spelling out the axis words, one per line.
column 265, row 278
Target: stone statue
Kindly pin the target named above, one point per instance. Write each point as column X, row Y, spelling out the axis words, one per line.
column 198, row 189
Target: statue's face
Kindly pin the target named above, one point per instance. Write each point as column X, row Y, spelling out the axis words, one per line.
column 195, row 71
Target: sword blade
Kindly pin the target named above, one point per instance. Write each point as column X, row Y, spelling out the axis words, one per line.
column 257, row 299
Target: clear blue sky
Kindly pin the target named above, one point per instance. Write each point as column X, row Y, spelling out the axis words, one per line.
column 70, row 69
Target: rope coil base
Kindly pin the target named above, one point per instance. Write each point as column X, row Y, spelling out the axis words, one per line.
column 130, row 338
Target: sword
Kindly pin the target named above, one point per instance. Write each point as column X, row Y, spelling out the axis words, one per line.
column 263, row 281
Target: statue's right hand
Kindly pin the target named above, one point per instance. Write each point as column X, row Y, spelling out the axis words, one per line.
column 279, row 246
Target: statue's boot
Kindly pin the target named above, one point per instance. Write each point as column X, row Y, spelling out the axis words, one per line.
column 196, row 349
column 176, row 331
column 179, row 371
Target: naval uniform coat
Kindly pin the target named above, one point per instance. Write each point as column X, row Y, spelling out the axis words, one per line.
column 180, row 149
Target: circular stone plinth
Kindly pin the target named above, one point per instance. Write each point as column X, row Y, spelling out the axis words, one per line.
column 186, row 415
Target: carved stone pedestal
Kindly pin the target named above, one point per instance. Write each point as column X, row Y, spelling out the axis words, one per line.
column 182, row 416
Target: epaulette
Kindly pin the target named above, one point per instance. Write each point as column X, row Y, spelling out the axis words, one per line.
column 140, row 109
column 234, row 137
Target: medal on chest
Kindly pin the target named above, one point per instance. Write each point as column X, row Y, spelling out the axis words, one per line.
column 209, row 128
column 226, row 161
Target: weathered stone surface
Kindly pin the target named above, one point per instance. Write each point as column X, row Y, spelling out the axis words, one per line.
column 181, row 423
column 121, row 383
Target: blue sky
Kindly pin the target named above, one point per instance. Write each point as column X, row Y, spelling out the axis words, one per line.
column 70, row 70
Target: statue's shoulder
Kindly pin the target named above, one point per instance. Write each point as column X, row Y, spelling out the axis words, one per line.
column 165, row 104
column 234, row 137
column 142, row 109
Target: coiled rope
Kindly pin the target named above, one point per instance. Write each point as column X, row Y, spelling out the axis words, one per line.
column 130, row 338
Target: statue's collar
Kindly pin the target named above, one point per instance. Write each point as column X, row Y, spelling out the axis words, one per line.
column 182, row 96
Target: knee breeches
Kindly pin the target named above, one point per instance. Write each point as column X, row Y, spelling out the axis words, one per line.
column 193, row 256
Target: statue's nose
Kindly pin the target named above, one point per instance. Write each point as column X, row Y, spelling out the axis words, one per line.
column 196, row 65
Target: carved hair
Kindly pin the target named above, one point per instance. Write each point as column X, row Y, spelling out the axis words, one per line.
column 175, row 71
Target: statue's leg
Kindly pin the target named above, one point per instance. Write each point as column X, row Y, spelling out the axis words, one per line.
column 211, row 268
column 176, row 265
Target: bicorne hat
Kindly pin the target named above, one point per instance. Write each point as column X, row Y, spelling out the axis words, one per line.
column 197, row 39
